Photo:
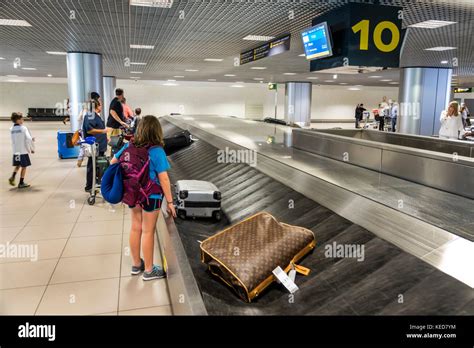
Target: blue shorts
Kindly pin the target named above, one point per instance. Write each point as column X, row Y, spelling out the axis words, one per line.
column 152, row 205
column 21, row 160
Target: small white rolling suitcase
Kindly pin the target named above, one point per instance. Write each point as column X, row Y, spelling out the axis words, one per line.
column 197, row 198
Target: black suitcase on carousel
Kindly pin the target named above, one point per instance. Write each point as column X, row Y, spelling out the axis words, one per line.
column 177, row 142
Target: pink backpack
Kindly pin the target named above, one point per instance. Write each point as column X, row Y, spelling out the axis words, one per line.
column 137, row 185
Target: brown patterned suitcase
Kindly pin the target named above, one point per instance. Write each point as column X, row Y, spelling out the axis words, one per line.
column 244, row 255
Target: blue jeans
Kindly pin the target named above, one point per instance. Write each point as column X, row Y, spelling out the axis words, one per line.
column 394, row 124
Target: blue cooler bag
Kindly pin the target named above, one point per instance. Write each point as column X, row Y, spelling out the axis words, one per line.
column 111, row 186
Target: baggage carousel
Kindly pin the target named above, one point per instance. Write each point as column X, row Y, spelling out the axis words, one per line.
column 389, row 281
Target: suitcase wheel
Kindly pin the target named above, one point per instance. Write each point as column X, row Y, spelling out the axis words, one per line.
column 182, row 214
column 217, row 215
column 91, row 200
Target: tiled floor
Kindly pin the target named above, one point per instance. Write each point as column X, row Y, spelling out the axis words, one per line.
column 83, row 263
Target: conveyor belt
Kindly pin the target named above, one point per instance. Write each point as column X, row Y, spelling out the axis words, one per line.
column 335, row 285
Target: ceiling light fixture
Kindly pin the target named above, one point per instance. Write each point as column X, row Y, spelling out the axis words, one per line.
column 258, row 67
column 444, row 62
column 12, row 75
column 385, row 80
column 171, row 80
column 212, row 80
column 353, row 89
column 136, row 72
column 14, row 80
column 137, row 63
column 302, row 55
column 213, row 59
column 258, row 78
column 1, row 58
column 179, row 76
column 191, row 70
column 170, row 84
column 431, row 24
column 237, row 86
column 328, row 81
column 49, row 75
column 145, row 47
column 289, row 73
column 440, row 48
column 152, row 3
column 28, row 68
column 334, row 76
column 393, row 83
column 229, row 75
column 14, row 22
column 258, row 38
column 56, row 53
column 374, row 77
column 343, row 83
column 312, row 78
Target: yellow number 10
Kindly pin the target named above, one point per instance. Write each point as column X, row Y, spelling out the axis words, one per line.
column 363, row 27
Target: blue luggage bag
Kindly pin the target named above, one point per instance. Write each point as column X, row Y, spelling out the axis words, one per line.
column 65, row 147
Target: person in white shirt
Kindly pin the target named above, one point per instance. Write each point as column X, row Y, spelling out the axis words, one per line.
column 393, row 113
column 451, row 123
column 22, row 145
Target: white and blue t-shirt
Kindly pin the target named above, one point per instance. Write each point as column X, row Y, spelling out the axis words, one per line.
column 158, row 164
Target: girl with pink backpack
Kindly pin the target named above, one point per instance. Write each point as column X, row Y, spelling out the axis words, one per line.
column 144, row 168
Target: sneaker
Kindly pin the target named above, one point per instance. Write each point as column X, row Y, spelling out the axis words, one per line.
column 140, row 269
column 79, row 163
column 88, row 189
column 156, row 273
column 12, row 181
column 23, row 185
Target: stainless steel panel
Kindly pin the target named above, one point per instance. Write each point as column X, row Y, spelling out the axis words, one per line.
column 339, row 149
column 298, row 103
column 184, row 293
column 446, row 176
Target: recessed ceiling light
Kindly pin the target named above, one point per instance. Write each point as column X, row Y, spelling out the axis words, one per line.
column 289, row 73
column 137, row 63
column 152, row 3
column 393, row 83
column 374, row 77
column 440, row 48
column 1, row 58
column 229, row 75
column 312, row 78
column 258, row 78
column 444, row 62
column 328, row 81
column 179, row 76
column 15, row 80
column 57, row 53
column 49, row 75
column 258, row 38
column 191, row 70
column 145, row 47
column 14, row 22
column 258, row 67
column 134, row 77
column 172, row 80
column 212, row 80
column 343, row 83
column 386, row 80
column 353, row 89
column 302, row 55
column 170, row 84
column 239, row 81
column 334, row 76
column 431, row 24
column 136, row 72
column 213, row 59
column 237, row 86
column 28, row 68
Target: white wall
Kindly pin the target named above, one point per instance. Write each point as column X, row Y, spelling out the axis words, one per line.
column 329, row 102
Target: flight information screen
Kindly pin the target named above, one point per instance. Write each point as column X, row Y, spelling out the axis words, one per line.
column 316, row 41
column 268, row 49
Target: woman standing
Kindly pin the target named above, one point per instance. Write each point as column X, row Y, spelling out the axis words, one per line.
column 451, row 123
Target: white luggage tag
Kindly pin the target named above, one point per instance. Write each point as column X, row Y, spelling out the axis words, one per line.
column 285, row 280
column 292, row 273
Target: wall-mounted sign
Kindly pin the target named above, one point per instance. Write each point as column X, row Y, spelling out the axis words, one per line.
column 272, row 86
column 268, row 49
column 362, row 35
column 463, row 90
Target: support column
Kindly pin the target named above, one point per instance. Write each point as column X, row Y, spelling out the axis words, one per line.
column 423, row 94
column 109, row 83
column 298, row 103
column 84, row 75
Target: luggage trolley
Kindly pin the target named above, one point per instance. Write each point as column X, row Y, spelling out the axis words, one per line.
column 90, row 150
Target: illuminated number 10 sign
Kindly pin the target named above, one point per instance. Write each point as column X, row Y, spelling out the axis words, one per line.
column 363, row 27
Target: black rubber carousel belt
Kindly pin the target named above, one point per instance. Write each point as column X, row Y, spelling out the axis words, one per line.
column 359, row 285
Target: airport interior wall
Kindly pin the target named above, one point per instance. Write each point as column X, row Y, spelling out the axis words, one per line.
column 252, row 101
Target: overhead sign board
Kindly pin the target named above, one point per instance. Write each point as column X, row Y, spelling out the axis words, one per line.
column 362, row 35
column 268, row 49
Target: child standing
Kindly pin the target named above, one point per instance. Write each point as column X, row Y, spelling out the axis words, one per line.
column 149, row 136
column 22, row 145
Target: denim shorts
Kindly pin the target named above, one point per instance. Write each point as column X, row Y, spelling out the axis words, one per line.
column 152, row 205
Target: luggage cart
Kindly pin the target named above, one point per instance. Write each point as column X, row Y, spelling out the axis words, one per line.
column 91, row 151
